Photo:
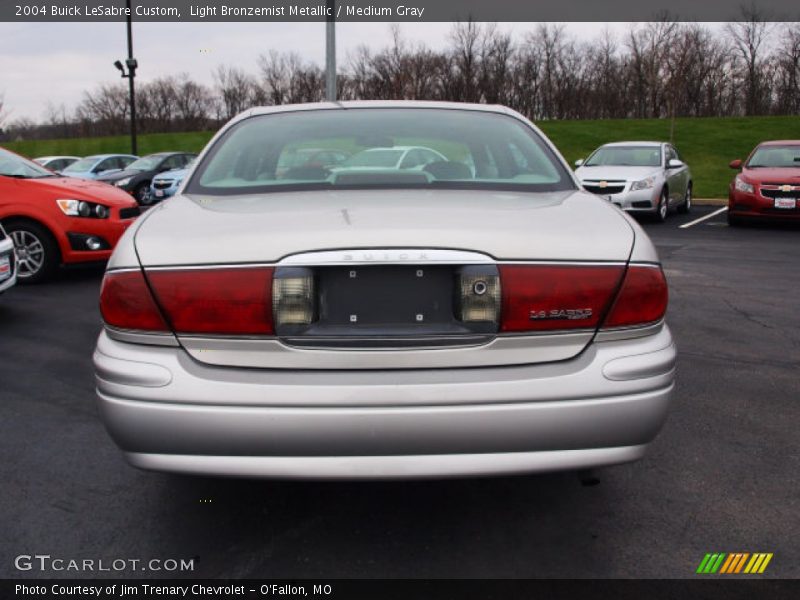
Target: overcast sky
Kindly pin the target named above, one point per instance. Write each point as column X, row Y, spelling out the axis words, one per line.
column 56, row 62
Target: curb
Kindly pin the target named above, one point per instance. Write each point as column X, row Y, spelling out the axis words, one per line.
column 710, row 201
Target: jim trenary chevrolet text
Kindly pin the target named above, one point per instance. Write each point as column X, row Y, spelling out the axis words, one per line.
column 471, row 311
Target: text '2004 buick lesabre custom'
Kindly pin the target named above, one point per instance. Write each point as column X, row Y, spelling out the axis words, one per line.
column 460, row 309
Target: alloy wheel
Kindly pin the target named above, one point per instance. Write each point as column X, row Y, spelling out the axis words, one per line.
column 30, row 253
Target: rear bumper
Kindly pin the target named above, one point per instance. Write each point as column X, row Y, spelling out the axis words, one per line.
column 169, row 413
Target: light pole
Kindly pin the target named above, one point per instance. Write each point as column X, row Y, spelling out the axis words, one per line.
column 132, row 65
column 330, row 51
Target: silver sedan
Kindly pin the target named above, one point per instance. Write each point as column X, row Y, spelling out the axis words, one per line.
column 639, row 177
column 483, row 315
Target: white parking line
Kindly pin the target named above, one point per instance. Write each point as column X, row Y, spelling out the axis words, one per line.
column 701, row 219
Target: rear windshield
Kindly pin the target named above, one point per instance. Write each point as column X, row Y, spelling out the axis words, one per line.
column 626, row 156
column 379, row 147
column 775, row 157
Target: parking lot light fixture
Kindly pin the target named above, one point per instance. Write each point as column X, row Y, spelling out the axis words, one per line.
column 132, row 64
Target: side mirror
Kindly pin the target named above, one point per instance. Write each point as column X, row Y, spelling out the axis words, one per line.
column 674, row 163
column 735, row 164
column 97, row 170
column 579, row 162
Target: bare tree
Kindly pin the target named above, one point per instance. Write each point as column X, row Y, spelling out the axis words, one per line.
column 193, row 103
column 236, row 89
column 748, row 36
column 787, row 76
column 105, row 110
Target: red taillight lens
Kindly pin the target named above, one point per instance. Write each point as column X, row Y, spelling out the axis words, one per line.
column 126, row 302
column 552, row 297
column 216, row 301
column 642, row 299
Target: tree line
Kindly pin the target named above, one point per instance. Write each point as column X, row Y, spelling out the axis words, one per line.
column 660, row 69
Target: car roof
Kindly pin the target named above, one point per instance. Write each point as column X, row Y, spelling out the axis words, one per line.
column 780, row 143
column 642, row 143
column 283, row 108
column 101, row 156
column 55, row 157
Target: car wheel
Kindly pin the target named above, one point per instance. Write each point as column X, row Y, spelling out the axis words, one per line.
column 38, row 256
column 663, row 207
column 142, row 194
column 686, row 206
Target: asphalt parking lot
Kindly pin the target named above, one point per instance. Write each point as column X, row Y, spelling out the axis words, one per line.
column 722, row 476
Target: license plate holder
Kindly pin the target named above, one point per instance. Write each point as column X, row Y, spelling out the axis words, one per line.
column 786, row 203
column 360, row 297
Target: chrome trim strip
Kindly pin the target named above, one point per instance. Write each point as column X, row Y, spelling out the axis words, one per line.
column 482, row 259
column 210, row 266
column 139, row 337
column 628, row 333
column 385, row 256
column 275, row 354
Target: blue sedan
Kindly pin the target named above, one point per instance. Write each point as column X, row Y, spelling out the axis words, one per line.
column 166, row 184
column 93, row 166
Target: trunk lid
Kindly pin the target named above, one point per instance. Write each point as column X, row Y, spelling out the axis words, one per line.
column 562, row 226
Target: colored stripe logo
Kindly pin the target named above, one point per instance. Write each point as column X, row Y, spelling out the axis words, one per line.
column 734, row 563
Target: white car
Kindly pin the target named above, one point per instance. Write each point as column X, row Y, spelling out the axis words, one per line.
column 393, row 157
column 56, row 163
column 639, row 177
column 8, row 272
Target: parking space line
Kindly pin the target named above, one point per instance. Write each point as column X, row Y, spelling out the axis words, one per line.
column 701, row 219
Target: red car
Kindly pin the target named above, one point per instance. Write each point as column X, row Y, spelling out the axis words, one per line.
column 56, row 220
column 769, row 184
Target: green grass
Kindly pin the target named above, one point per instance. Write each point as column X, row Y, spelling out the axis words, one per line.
column 153, row 142
column 707, row 144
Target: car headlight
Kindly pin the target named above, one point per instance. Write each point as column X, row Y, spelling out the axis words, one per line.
column 123, row 182
column 742, row 186
column 644, row 184
column 82, row 208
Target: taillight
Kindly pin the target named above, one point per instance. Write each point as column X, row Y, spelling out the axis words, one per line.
column 554, row 297
column 126, row 302
column 293, row 299
column 642, row 298
column 236, row 301
column 478, row 297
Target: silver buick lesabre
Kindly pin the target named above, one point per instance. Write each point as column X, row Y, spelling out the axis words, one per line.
column 461, row 309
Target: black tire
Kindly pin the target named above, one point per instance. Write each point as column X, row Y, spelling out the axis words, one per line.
column 686, row 205
column 663, row 207
column 38, row 256
column 142, row 194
